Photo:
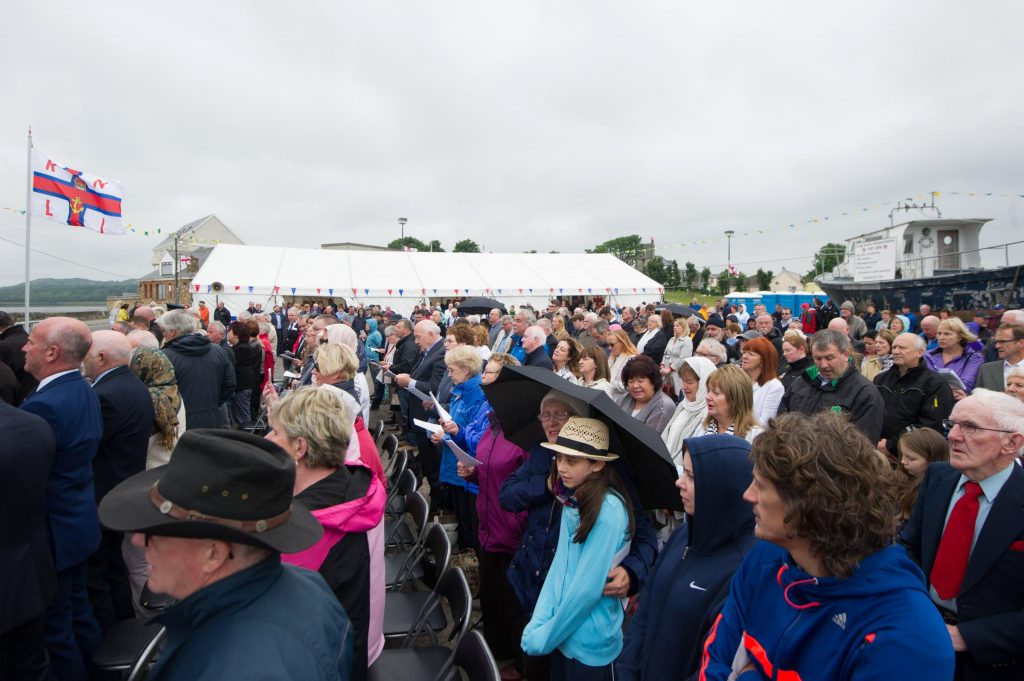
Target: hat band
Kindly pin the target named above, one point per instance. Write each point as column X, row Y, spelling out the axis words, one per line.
column 582, row 447
column 170, row 509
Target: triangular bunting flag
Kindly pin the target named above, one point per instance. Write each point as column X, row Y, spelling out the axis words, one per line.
column 251, row 288
column 197, row 288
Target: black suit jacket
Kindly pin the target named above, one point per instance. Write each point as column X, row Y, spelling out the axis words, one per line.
column 990, row 605
column 127, row 424
column 11, row 342
column 27, row 578
column 406, row 355
column 427, row 374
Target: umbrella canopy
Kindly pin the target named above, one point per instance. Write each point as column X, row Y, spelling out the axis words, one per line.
column 479, row 305
column 516, row 396
column 677, row 310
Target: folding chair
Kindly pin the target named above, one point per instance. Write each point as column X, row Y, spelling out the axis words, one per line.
column 433, row 662
column 377, row 430
column 401, row 608
column 388, row 446
column 474, row 657
column 401, row 483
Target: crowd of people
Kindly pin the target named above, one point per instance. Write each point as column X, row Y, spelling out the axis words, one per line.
column 844, row 466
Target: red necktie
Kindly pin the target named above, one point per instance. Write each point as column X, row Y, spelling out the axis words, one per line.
column 955, row 548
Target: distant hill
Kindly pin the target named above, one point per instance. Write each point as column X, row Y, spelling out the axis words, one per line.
column 56, row 291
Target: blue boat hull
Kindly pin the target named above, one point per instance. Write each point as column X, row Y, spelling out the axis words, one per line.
column 972, row 290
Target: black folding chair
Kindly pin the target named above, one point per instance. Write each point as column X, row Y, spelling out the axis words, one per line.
column 377, row 430
column 433, row 662
column 388, row 446
column 130, row 645
column 400, row 485
column 401, row 607
column 474, row 657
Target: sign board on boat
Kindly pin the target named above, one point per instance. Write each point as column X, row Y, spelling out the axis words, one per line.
column 875, row 260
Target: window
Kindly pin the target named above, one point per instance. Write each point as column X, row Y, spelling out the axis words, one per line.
column 166, row 269
column 908, row 244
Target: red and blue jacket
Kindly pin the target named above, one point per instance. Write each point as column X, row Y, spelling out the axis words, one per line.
column 879, row 623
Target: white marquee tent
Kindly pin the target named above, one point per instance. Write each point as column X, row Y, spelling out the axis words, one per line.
column 236, row 274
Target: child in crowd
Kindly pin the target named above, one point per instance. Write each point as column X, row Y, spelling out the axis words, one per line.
column 573, row 621
column 917, row 449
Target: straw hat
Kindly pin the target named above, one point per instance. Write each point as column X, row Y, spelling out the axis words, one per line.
column 583, row 437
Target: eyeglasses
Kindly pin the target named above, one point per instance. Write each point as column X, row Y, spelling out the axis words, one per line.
column 1004, row 342
column 316, row 366
column 706, row 355
column 554, row 416
column 969, row 428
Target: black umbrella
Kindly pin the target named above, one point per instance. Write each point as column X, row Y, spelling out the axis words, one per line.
column 677, row 310
column 479, row 305
column 516, row 396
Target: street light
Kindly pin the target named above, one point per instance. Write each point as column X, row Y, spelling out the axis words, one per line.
column 401, row 222
column 728, row 236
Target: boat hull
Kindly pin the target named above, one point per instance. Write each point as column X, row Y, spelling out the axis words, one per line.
column 972, row 290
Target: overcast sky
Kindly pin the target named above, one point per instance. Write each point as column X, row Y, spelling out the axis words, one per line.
column 525, row 125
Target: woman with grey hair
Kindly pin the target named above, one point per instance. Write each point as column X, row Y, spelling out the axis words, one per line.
column 712, row 350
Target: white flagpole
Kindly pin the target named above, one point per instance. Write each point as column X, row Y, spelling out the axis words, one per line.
column 28, row 228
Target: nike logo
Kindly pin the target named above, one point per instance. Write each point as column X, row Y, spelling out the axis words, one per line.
column 698, row 588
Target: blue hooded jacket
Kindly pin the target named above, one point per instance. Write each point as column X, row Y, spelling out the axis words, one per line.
column 373, row 340
column 466, row 399
column 878, row 623
column 690, row 580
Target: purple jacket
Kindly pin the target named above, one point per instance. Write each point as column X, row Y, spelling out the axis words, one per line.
column 965, row 366
column 499, row 530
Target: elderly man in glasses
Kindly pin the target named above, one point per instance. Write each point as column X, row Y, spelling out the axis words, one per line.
column 967, row 534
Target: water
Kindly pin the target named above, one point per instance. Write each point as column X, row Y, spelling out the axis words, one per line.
column 51, row 309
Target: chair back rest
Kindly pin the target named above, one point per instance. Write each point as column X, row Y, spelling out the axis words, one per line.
column 388, row 446
column 418, row 509
column 378, row 430
column 451, row 587
column 400, row 483
column 474, row 657
column 438, row 554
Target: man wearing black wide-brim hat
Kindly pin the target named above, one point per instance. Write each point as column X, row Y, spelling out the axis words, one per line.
column 214, row 523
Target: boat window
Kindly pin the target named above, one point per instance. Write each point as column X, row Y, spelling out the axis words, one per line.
column 908, row 244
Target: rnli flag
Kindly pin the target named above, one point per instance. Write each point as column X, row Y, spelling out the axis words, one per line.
column 75, row 197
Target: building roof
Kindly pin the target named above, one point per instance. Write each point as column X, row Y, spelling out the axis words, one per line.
column 188, row 230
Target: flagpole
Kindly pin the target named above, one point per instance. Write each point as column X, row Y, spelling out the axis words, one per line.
column 28, row 228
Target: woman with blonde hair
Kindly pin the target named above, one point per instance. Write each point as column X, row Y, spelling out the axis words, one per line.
column 953, row 354
column 344, row 336
column 730, row 401
column 621, row 350
column 678, row 348
column 314, row 426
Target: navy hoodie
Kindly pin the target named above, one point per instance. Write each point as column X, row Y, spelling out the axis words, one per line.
column 878, row 623
column 690, row 580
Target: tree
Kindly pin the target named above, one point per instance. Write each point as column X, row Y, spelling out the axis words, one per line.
column 764, row 279
column 657, row 270
column 705, row 279
column 827, row 257
column 466, row 246
column 723, row 282
column 626, row 248
column 435, row 246
column 691, row 276
column 407, row 242
column 672, row 277
column 740, row 282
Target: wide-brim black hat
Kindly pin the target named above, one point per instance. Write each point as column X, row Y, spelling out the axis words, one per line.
column 219, row 484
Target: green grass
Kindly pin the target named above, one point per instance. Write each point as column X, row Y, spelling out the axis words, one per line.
column 684, row 297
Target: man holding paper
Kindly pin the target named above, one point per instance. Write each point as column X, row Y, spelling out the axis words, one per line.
column 424, row 378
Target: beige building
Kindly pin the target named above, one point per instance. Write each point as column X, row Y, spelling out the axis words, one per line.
column 786, row 282
column 191, row 244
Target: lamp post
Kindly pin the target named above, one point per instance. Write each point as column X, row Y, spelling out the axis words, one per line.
column 401, row 222
column 728, row 236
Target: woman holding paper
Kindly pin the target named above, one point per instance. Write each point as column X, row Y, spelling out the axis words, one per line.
column 464, row 369
column 953, row 354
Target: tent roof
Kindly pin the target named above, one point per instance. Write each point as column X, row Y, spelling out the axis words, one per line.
column 402, row 278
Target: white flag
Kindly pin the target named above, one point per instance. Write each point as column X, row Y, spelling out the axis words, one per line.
column 74, row 197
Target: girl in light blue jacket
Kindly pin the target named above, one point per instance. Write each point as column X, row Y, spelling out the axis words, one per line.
column 573, row 621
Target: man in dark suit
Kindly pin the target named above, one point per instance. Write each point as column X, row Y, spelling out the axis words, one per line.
column 292, row 331
column 425, row 376
column 1009, row 343
column 405, row 356
column 127, row 424
column 27, row 580
column 967, row 534
column 278, row 320
column 53, row 354
column 12, row 338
